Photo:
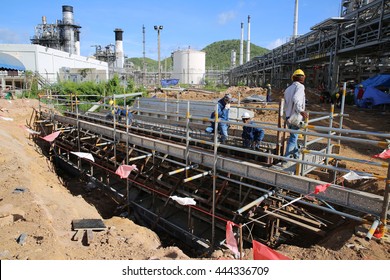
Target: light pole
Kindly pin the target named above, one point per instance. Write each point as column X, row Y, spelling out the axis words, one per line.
column 158, row 28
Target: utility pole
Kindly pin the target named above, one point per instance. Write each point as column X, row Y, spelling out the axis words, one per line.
column 158, row 28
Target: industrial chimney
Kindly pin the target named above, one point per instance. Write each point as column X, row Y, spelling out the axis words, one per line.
column 242, row 44
column 233, row 58
column 248, row 44
column 295, row 31
column 77, row 42
column 68, row 25
column 120, row 57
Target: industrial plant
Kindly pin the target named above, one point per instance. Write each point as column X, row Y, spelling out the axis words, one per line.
column 351, row 47
column 160, row 165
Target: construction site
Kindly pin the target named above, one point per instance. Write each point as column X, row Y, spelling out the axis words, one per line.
column 174, row 157
column 151, row 182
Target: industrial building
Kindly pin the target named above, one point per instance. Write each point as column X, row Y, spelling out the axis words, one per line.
column 54, row 56
column 51, row 65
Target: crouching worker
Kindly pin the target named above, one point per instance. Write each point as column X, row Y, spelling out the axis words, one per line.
column 223, row 114
column 119, row 113
column 251, row 136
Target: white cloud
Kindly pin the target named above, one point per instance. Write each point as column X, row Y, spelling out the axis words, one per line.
column 278, row 42
column 223, row 18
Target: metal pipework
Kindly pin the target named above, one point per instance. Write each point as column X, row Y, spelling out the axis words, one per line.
column 372, row 229
column 140, row 157
column 196, row 176
column 183, row 169
column 255, row 202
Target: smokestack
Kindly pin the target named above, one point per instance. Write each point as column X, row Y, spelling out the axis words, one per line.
column 295, row 32
column 144, row 57
column 248, row 46
column 77, row 42
column 242, row 44
column 120, row 58
column 233, row 58
column 44, row 20
column 67, row 21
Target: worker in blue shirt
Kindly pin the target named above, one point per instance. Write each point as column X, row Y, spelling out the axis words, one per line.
column 119, row 113
column 251, row 136
column 223, row 115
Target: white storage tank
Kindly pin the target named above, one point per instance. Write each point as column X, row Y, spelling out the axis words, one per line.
column 189, row 66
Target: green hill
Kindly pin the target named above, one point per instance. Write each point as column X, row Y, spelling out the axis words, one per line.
column 217, row 56
column 218, row 53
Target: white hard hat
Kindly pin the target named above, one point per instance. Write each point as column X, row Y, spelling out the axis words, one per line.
column 245, row 115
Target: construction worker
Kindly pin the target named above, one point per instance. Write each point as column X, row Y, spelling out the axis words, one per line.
column 251, row 136
column 359, row 97
column 295, row 100
column 269, row 92
column 223, row 114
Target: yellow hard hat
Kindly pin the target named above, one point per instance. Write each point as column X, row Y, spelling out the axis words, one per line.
column 268, row 85
column 360, row 85
column 298, row 72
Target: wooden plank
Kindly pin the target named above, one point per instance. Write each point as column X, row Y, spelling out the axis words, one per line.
column 78, row 235
column 85, row 224
column 89, row 233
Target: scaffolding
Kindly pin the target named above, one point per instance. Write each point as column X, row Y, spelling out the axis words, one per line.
column 166, row 140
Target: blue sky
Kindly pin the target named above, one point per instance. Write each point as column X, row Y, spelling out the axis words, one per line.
column 186, row 23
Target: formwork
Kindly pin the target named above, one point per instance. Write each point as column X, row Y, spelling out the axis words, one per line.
column 175, row 157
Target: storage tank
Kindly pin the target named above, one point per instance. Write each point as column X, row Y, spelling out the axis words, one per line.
column 189, row 66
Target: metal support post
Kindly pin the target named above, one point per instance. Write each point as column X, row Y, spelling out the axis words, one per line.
column 328, row 151
column 386, row 200
column 187, row 152
column 214, row 174
column 302, row 171
column 115, row 162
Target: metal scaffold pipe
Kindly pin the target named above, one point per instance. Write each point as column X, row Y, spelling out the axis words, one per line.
column 140, row 157
column 196, row 176
column 255, row 202
column 372, row 229
column 183, row 169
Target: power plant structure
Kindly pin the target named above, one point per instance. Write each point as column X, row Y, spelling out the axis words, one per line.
column 112, row 54
column 352, row 47
column 63, row 35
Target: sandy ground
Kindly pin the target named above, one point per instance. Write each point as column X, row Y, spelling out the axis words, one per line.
column 34, row 203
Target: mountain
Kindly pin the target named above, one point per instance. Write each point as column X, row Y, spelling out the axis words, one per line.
column 218, row 53
column 217, row 56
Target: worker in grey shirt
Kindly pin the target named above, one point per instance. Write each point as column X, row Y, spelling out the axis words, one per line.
column 295, row 99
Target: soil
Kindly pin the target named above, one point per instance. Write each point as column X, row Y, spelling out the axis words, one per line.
column 37, row 209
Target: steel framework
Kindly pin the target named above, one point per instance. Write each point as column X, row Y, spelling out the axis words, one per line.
column 175, row 157
column 353, row 47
